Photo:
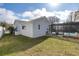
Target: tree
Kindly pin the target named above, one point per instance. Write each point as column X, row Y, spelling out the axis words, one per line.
column 7, row 27
column 53, row 20
column 3, row 24
column 11, row 29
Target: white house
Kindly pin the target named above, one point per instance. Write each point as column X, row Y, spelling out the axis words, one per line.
column 1, row 31
column 35, row 27
column 74, row 16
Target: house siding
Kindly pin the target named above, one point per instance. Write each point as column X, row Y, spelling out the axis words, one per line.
column 27, row 31
column 43, row 27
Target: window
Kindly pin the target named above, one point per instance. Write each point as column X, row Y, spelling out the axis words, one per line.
column 23, row 27
column 39, row 27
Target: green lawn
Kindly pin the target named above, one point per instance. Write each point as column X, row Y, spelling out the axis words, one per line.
column 20, row 45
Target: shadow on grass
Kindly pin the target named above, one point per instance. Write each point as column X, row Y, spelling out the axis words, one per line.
column 69, row 39
column 20, row 43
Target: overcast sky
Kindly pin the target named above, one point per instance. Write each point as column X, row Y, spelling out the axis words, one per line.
column 11, row 11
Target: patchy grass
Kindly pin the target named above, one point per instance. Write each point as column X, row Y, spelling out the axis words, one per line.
column 20, row 45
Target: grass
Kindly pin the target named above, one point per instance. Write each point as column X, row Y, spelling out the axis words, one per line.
column 46, row 46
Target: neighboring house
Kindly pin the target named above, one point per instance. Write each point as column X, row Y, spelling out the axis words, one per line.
column 35, row 27
column 73, row 17
column 1, row 31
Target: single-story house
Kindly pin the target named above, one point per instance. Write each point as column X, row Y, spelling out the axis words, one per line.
column 34, row 27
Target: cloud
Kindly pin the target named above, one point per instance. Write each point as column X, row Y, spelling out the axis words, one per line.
column 7, row 16
column 37, row 12
column 43, row 12
column 10, row 16
column 27, row 14
column 2, row 11
column 63, row 15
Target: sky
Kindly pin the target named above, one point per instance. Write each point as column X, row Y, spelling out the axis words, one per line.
column 11, row 11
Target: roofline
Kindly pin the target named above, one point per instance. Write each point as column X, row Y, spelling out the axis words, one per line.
column 30, row 20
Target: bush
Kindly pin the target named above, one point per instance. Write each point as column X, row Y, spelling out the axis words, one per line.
column 11, row 29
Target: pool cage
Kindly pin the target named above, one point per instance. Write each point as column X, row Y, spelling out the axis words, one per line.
column 70, row 27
